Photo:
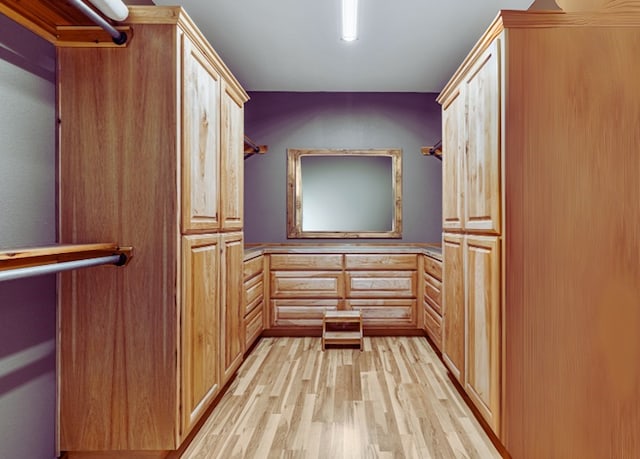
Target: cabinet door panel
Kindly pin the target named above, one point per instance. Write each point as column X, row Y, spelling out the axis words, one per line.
column 302, row 262
column 381, row 284
column 301, row 312
column 482, row 194
column 232, row 313
column 231, row 160
column 381, row 261
column 200, row 142
column 200, row 326
column 453, row 320
column 433, row 293
column 483, row 326
column 433, row 326
column 386, row 313
column 307, row 284
column 453, row 154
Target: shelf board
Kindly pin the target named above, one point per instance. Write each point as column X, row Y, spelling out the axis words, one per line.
column 34, row 256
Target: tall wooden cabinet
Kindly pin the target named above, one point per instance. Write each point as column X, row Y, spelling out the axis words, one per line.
column 545, row 262
column 150, row 141
column 472, row 204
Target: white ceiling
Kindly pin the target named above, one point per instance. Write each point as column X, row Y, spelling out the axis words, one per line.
column 294, row 45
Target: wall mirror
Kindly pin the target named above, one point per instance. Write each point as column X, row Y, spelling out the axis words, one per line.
column 344, row 193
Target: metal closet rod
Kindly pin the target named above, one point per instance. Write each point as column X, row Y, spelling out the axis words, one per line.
column 18, row 273
column 119, row 38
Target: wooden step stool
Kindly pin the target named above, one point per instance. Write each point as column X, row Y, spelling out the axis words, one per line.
column 342, row 327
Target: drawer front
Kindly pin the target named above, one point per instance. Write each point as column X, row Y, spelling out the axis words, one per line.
column 433, row 327
column 381, row 261
column 253, row 326
column 309, row 284
column 433, row 292
column 301, row 313
column 433, row 267
column 305, row 262
column 252, row 267
column 385, row 313
column 254, row 293
column 381, row 284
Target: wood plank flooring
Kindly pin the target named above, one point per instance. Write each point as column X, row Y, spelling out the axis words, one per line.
column 291, row 400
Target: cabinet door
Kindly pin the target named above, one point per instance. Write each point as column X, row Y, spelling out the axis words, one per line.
column 200, row 326
column 200, row 142
column 482, row 194
column 232, row 157
column 232, row 301
column 453, row 305
column 453, row 148
column 482, row 380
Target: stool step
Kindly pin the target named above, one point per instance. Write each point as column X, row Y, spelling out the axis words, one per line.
column 342, row 327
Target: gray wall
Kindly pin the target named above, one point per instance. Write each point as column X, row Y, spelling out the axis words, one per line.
column 27, row 217
column 342, row 120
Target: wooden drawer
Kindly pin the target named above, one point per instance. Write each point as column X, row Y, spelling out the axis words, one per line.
column 253, row 326
column 307, row 284
column 385, row 313
column 433, row 267
column 253, row 293
column 433, row 292
column 381, row 261
column 301, row 313
column 381, row 284
column 252, row 267
column 433, row 327
column 305, row 262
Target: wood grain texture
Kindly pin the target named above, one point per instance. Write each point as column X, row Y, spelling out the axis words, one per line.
column 572, row 258
column 200, row 327
column 290, row 399
column 483, row 326
column 232, row 157
column 571, row 277
column 232, row 312
column 454, row 144
column 482, row 193
column 121, row 386
column 453, row 305
column 111, row 367
column 201, row 172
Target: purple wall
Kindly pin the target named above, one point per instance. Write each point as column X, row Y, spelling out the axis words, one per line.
column 342, row 120
column 27, row 218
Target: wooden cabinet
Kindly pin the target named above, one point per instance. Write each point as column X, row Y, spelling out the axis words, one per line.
column 453, row 317
column 482, row 373
column 551, row 288
column 200, row 141
column 432, row 299
column 201, row 314
column 144, row 350
column 232, row 166
column 454, row 143
column 303, row 286
column 253, row 315
column 232, row 316
column 383, row 286
column 472, row 174
column 481, row 165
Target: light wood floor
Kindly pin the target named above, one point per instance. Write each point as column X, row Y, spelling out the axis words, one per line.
column 291, row 400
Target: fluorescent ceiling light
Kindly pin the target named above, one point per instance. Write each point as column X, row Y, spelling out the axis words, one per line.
column 349, row 20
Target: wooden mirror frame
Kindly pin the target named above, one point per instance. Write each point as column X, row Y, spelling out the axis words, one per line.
column 294, row 193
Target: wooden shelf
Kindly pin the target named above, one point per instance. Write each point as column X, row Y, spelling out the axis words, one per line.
column 25, row 257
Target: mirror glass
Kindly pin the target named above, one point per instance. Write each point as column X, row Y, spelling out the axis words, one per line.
column 344, row 193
